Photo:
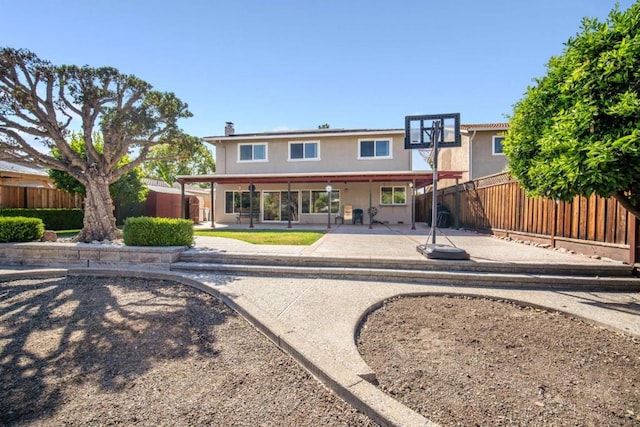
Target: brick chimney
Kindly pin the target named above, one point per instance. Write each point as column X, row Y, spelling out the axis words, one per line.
column 228, row 129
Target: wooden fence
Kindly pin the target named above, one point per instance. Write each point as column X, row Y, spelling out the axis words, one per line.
column 35, row 197
column 498, row 205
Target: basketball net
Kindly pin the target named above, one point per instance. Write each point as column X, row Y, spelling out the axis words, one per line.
column 427, row 155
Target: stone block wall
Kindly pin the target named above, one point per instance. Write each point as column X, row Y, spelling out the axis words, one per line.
column 89, row 255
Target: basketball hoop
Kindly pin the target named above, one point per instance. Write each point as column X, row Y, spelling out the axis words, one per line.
column 427, row 133
column 422, row 131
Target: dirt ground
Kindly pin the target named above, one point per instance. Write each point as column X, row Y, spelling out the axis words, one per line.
column 465, row 361
column 104, row 351
column 97, row 351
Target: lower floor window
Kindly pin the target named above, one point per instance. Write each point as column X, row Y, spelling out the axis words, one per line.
column 236, row 201
column 393, row 196
column 316, row 201
column 311, row 202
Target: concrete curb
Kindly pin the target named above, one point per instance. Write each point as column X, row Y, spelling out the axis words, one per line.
column 472, row 266
column 360, row 394
column 452, row 278
column 44, row 273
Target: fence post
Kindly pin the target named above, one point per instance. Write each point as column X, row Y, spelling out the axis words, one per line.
column 182, row 201
column 554, row 223
column 633, row 241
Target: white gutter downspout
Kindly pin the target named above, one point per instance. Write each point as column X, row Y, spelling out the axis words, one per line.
column 471, row 155
column 224, row 148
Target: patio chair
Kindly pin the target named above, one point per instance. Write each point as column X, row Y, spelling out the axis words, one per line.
column 358, row 215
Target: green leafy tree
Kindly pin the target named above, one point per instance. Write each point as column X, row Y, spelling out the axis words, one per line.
column 41, row 102
column 167, row 163
column 129, row 188
column 577, row 130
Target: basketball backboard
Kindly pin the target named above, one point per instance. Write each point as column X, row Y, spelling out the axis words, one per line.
column 421, row 131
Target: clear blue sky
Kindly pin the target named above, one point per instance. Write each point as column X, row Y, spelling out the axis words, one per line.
column 273, row 65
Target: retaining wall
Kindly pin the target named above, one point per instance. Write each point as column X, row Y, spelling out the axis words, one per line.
column 88, row 255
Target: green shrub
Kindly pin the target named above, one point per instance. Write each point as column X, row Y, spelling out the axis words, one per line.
column 53, row 219
column 148, row 231
column 20, row 229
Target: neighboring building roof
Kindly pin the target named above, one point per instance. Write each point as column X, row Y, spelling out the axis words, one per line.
column 301, row 133
column 21, row 175
column 484, row 126
column 337, row 132
column 22, row 169
column 160, row 186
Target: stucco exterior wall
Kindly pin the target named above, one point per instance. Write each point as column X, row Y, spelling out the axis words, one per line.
column 474, row 157
column 455, row 159
column 337, row 154
column 484, row 162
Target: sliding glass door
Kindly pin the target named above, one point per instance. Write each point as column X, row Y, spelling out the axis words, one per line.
column 277, row 206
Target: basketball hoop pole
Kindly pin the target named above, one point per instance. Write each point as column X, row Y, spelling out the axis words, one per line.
column 435, row 135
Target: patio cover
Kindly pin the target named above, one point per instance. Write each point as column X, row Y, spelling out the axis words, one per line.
column 420, row 178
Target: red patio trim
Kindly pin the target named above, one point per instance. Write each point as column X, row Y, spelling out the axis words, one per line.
column 421, row 178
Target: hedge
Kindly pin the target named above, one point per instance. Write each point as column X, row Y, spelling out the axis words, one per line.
column 20, row 229
column 149, row 231
column 53, row 219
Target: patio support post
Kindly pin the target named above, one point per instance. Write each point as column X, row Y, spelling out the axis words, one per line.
column 329, row 189
column 182, row 201
column 289, row 204
column 370, row 216
column 252, row 188
column 456, row 219
column 212, row 214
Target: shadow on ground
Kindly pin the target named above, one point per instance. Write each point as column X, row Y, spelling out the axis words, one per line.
column 104, row 331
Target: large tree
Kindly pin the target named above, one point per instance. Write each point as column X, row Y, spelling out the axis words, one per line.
column 128, row 189
column 40, row 104
column 577, row 130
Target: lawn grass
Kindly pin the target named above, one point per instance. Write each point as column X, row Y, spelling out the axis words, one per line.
column 256, row 237
column 67, row 233
column 266, row 237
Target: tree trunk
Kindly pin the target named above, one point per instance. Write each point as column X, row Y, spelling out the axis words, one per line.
column 99, row 220
column 622, row 198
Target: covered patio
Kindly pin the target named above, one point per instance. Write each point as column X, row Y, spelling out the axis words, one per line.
column 347, row 188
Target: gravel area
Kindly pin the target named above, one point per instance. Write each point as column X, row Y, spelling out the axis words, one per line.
column 467, row 361
column 104, row 351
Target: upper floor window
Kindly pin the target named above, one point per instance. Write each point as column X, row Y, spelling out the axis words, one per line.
column 393, row 195
column 256, row 152
column 374, row 149
column 304, row 150
column 497, row 145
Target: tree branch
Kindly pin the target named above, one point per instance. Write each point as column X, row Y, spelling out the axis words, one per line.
column 5, row 122
column 34, row 156
column 66, row 102
column 626, row 203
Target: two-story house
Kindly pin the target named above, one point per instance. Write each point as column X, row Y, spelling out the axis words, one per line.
column 312, row 177
column 479, row 155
